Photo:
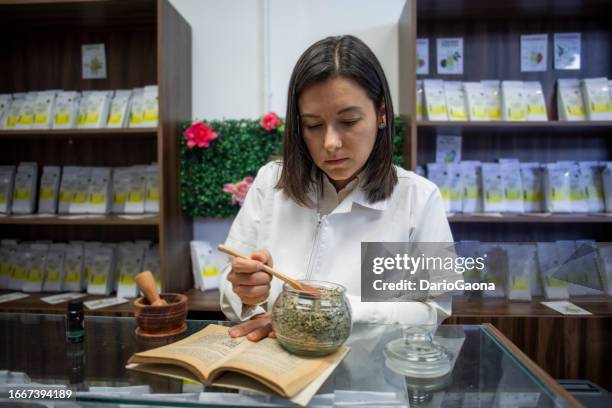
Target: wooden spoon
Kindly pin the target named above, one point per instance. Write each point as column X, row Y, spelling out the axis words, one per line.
column 146, row 283
column 302, row 287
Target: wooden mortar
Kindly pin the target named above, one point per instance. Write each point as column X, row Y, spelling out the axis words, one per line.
column 158, row 316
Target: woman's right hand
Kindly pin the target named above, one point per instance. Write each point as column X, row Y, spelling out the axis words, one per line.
column 249, row 280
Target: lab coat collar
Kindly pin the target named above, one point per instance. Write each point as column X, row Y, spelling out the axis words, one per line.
column 358, row 196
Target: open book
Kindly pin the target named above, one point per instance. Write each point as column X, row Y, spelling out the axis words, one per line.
column 212, row 357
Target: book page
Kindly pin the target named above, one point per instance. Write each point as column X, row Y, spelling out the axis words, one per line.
column 302, row 397
column 204, row 350
column 290, row 373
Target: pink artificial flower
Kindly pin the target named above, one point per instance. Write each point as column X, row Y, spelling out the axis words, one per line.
column 238, row 190
column 270, row 121
column 199, row 134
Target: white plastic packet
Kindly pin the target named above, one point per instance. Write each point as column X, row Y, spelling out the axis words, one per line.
column 514, row 105
column 472, row 186
column 99, row 265
column 578, row 191
column 548, row 264
column 73, row 267
column 67, row 189
column 20, row 262
column 592, row 182
column 99, row 195
column 522, row 264
column 150, row 106
column 455, row 183
column 597, row 98
column 570, row 104
column 437, row 173
column 66, row 110
column 7, row 180
column 7, row 264
column 25, row 117
column 435, row 99
column 119, row 109
column 137, row 108
column 606, row 176
column 44, row 107
column 492, row 91
column 513, row 186
column 80, row 199
column 455, row 101
column 96, row 104
column 37, row 254
column 531, row 179
column 54, row 268
column 493, row 189
column 151, row 204
column 536, row 104
column 557, row 188
column 476, row 101
column 5, row 105
column 130, row 258
column 49, row 189
column 24, row 192
column 205, row 271
column 10, row 118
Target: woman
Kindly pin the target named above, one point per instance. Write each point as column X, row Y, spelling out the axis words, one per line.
column 335, row 187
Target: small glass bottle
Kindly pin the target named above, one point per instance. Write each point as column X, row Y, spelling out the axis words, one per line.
column 75, row 322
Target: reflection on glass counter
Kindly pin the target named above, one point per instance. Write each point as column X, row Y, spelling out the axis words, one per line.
column 484, row 368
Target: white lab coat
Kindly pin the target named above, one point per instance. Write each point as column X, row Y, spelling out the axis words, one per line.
column 329, row 250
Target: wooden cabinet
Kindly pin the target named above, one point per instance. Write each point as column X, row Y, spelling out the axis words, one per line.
column 567, row 347
column 147, row 42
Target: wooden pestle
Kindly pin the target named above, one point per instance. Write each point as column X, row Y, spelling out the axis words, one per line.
column 146, row 283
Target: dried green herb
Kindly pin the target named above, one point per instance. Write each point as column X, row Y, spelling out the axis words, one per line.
column 312, row 321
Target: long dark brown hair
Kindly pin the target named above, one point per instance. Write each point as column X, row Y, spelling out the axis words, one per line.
column 349, row 57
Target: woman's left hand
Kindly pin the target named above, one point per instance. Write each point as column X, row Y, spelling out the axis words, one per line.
column 256, row 328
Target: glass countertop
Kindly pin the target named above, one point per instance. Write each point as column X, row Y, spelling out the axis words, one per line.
column 486, row 369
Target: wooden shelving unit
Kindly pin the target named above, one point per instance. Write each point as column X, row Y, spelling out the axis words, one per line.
column 566, row 347
column 146, row 42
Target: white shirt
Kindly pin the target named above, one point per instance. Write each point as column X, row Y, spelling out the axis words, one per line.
column 307, row 245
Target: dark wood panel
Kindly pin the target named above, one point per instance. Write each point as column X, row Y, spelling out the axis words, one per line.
column 527, row 232
column 50, row 58
column 532, row 9
column 174, row 81
column 116, row 151
column 541, row 144
column 64, row 233
column 115, row 14
column 566, row 348
column 53, row 134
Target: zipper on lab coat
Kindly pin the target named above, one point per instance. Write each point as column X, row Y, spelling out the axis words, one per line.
column 315, row 246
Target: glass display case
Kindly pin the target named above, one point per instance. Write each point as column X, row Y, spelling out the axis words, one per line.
column 486, row 369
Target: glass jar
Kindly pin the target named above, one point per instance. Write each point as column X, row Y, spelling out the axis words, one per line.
column 312, row 325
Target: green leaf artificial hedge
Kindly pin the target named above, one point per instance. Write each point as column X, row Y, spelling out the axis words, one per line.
column 242, row 147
